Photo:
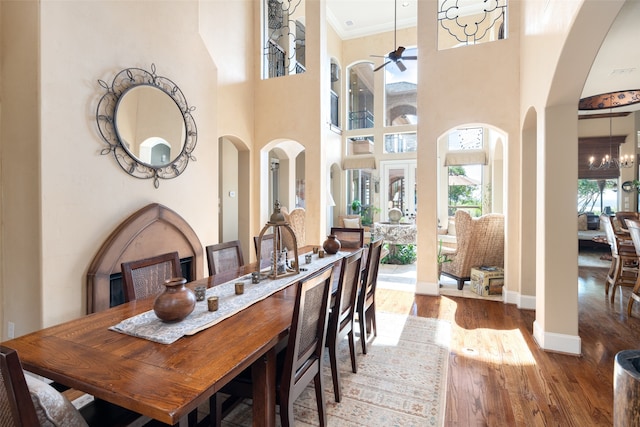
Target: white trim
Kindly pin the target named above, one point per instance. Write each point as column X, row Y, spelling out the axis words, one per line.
column 527, row 302
column 427, row 288
column 569, row 344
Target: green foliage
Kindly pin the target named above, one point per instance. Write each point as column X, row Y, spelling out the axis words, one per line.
column 442, row 257
column 589, row 193
column 461, row 195
column 366, row 212
column 403, row 254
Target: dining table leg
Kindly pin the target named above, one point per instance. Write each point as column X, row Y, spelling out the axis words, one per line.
column 263, row 373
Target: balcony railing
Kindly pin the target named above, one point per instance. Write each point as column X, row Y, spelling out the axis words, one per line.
column 360, row 119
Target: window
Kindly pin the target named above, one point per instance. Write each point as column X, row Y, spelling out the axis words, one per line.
column 465, row 139
column 360, row 191
column 334, row 103
column 284, row 38
column 401, row 92
column 401, row 143
column 598, row 195
column 361, row 96
column 470, row 22
column 465, row 189
column 465, row 160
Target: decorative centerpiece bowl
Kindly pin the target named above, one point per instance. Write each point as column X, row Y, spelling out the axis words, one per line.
column 176, row 302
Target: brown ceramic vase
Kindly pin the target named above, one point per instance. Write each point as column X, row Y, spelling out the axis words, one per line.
column 176, row 302
column 331, row 245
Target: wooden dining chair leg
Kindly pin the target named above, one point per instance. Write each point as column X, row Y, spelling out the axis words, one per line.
column 374, row 325
column 352, row 350
column 322, row 410
column 363, row 332
column 609, row 280
column 635, row 296
column 333, row 360
column 616, row 277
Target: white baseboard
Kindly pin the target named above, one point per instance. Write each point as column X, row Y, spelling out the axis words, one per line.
column 562, row 343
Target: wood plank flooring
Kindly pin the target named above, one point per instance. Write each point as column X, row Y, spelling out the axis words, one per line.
column 499, row 377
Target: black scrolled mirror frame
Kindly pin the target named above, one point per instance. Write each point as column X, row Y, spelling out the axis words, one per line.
column 105, row 116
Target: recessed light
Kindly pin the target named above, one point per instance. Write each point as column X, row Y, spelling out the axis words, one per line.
column 405, row 4
column 348, row 23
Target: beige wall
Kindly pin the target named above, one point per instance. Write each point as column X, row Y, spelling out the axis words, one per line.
column 20, row 162
column 451, row 95
column 61, row 197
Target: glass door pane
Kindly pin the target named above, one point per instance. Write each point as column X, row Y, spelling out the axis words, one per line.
column 398, row 184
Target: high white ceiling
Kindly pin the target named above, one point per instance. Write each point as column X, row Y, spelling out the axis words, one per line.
column 616, row 68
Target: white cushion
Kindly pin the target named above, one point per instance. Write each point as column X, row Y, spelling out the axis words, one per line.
column 53, row 409
column 351, row 222
column 451, row 229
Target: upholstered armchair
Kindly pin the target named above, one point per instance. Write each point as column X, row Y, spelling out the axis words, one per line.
column 296, row 219
column 480, row 241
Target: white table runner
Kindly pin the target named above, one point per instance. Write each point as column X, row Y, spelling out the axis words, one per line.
column 148, row 326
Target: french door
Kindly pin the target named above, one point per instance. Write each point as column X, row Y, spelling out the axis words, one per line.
column 398, row 185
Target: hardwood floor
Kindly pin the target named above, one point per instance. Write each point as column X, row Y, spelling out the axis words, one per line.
column 499, row 377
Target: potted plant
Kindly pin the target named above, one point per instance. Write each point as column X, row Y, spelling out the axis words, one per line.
column 442, row 258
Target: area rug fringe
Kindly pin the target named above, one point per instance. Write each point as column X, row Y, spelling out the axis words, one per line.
column 401, row 381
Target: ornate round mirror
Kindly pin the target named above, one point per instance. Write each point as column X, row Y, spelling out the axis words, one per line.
column 147, row 123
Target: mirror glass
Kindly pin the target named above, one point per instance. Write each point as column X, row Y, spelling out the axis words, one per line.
column 150, row 125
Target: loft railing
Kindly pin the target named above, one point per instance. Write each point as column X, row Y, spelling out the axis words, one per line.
column 360, row 119
column 276, row 60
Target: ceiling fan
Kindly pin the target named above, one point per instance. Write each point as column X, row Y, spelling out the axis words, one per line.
column 395, row 55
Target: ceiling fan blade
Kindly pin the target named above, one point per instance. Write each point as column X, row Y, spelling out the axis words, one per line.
column 399, row 51
column 410, row 57
column 382, row 66
column 400, row 65
column 379, row 56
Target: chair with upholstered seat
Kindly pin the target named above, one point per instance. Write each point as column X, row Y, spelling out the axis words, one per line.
column 624, row 261
column 350, row 238
column 301, row 362
column 342, row 316
column 265, row 249
column 366, row 304
column 223, row 257
column 296, row 220
column 146, row 277
column 28, row 401
column 479, row 241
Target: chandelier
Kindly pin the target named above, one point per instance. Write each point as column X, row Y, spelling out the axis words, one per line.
column 608, row 161
column 610, row 100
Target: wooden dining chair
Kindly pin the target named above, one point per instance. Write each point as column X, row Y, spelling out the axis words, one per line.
column 146, row 277
column 342, row 316
column 300, row 363
column 633, row 225
column 223, row 257
column 350, row 238
column 265, row 250
column 366, row 305
column 623, row 216
column 27, row 401
column 624, row 261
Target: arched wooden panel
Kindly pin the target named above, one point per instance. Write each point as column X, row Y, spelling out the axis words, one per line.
column 153, row 230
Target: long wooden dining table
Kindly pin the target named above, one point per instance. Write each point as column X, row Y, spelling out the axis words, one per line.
column 165, row 382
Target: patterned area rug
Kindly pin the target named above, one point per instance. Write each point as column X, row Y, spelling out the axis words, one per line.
column 401, row 381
